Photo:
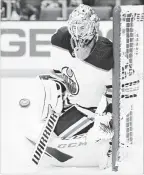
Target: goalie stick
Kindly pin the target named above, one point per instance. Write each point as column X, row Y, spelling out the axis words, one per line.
column 45, row 136
column 50, row 125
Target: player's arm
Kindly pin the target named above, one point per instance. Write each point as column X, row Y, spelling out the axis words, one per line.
column 102, row 56
column 61, row 38
column 108, row 92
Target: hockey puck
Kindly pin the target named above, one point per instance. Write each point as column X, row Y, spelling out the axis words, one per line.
column 24, row 102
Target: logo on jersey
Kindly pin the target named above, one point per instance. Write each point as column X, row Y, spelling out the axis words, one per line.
column 70, row 80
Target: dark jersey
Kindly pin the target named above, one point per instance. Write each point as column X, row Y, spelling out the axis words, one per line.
column 101, row 56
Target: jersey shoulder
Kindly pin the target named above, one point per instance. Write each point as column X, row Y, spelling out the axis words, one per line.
column 104, row 40
column 61, row 38
column 102, row 55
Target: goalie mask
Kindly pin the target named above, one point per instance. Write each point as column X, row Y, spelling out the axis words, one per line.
column 83, row 25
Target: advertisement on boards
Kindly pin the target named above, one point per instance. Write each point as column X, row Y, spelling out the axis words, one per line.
column 27, row 45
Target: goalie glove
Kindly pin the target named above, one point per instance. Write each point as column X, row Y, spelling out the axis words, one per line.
column 102, row 129
column 106, row 126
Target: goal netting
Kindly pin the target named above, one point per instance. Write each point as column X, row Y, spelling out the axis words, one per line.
column 128, row 27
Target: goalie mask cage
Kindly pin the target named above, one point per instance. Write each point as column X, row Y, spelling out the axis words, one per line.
column 128, row 22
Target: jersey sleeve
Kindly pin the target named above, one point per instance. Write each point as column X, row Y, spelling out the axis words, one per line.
column 108, row 95
column 61, row 38
column 108, row 92
column 102, row 56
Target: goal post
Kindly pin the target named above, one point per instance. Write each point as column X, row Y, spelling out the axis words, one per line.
column 116, row 85
column 128, row 22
